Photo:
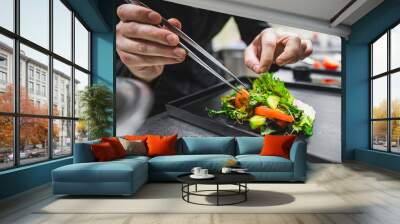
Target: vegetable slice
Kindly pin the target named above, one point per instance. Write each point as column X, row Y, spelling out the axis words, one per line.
column 273, row 114
column 273, row 101
column 242, row 98
column 257, row 121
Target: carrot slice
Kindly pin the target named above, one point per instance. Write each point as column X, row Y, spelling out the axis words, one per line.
column 242, row 98
column 273, row 114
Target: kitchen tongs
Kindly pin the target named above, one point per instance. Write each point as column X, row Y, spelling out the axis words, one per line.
column 196, row 46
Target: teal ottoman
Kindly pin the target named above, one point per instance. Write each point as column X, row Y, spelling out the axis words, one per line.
column 119, row 177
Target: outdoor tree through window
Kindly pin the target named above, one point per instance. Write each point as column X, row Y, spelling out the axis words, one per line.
column 41, row 123
column 385, row 94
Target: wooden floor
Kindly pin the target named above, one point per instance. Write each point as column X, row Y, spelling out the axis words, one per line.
column 379, row 189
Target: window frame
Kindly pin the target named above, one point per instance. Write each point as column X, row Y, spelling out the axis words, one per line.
column 388, row 74
column 16, row 114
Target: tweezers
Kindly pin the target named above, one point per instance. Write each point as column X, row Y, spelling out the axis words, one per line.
column 196, row 46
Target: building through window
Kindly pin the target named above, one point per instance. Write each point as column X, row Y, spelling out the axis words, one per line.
column 38, row 125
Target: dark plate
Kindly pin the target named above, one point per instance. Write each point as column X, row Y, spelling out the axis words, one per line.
column 192, row 108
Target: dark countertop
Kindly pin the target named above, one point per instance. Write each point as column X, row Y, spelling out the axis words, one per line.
column 162, row 124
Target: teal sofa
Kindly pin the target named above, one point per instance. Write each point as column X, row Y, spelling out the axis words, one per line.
column 125, row 176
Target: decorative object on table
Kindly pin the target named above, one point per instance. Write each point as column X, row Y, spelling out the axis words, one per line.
column 202, row 176
column 196, row 170
column 96, row 102
column 268, row 108
column 231, row 163
column 227, row 170
column 240, row 180
column 200, row 173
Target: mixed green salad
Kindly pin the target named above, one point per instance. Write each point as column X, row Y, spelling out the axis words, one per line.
column 268, row 108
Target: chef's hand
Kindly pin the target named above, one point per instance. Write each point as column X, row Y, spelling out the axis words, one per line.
column 268, row 48
column 143, row 47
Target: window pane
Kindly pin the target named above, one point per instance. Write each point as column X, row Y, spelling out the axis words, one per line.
column 35, row 21
column 379, row 97
column 33, row 140
column 395, row 47
column 395, row 94
column 379, row 135
column 62, row 89
column 81, row 131
column 81, row 45
column 6, row 142
column 379, row 55
column 395, row 136
column 81, row 82
column 7, row 14
column 62, row 138
column 62, row 29
column 34, row 97
column 6, row 74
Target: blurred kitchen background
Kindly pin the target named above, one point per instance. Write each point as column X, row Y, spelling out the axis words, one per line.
column 322, row 68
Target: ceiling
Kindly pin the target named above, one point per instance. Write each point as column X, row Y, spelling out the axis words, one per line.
column 327, row 16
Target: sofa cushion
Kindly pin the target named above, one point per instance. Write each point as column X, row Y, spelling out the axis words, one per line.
column 185, row 163
column 277, row 145
column 112, row 171
column 103, row 152
column 257, row 163
column 134, row 147
column 83, row 152
column 208, row 145
column 133, row 158
column 161, row 145
column 136, row 137
column 116, row 145
column 249, row 145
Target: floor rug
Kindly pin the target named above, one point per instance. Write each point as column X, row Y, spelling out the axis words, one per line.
column 167, row 198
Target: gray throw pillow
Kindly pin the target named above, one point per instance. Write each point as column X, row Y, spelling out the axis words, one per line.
column 136, row 148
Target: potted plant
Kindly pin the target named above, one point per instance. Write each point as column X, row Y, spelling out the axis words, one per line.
column 96, row 103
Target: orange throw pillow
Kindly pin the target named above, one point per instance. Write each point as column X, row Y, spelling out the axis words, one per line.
column 136, row 137
column 277, row 145
column 161, row 145
column 116, row 145
column 103, row 152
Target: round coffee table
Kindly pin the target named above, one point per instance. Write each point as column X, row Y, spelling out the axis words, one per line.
column 238, row 179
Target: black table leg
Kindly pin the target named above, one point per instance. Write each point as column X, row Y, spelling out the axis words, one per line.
column 182, row 190
column 217, row 194
column 188, row 190
column 245, row 193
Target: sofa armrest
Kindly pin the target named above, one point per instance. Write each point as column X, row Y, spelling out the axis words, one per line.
column 83, row 153
column 298, row 155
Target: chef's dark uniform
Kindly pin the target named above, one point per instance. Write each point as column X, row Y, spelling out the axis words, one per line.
column 188, row 77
